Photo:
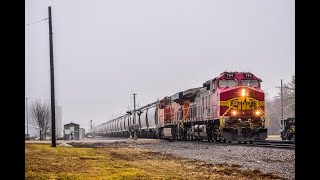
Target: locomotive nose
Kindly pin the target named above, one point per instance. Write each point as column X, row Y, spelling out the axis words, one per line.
column 246, row 92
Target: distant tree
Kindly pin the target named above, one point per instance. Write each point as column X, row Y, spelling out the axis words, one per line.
column 288, row 102
column 289, row 98
column 41, row 115
column 292, row 84
column 273, row 106
column 292, row 88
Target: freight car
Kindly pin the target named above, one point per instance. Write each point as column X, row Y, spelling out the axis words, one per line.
column 228, row 108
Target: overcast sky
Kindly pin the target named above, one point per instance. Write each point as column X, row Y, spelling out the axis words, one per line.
column 105, row 50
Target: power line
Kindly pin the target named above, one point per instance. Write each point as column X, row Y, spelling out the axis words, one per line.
column 37, row 21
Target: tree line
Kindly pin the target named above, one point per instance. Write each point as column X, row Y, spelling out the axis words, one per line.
column 273, row 106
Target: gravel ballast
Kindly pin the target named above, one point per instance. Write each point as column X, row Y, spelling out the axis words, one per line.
column 268, row 160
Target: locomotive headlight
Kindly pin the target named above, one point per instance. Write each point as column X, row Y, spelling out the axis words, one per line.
column 257, row 113
column 243, row 92
column 234, row 113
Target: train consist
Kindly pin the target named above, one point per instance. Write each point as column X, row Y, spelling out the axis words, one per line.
column 228, row 108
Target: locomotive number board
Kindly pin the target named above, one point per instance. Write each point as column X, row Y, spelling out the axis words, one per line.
column 229, row 75
column 248, row 75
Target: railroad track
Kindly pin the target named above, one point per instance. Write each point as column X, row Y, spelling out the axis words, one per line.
column 276, row 144
column 267, row 143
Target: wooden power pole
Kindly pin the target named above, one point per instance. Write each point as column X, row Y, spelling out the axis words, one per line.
column 281, row 100
column 53, row 118
column 134, row 117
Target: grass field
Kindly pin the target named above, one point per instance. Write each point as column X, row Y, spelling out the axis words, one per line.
column 45, row 162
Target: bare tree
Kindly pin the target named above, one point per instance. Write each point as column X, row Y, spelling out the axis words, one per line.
column 273, row 111
column 41, row 115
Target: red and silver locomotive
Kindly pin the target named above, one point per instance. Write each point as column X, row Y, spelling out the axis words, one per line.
column 227, row 108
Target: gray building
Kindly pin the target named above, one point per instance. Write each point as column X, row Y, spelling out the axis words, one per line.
column 71, row 131
column 82, row 133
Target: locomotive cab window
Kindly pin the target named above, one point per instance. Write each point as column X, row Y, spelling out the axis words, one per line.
column 250, row 83
column 228, row 83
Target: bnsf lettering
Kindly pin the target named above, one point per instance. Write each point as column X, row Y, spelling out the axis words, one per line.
column 250, row 103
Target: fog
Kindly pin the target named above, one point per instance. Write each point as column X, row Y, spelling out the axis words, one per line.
column 106, row 50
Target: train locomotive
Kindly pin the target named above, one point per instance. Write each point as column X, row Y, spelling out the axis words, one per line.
column 228, row 108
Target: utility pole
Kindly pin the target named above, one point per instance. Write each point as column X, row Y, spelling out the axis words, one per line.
column 27, row 116
column 281, row 101
column 53, row 118
column 134, row 117
column 130, row 127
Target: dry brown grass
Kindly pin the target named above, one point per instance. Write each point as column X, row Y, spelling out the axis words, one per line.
column 45, row 162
